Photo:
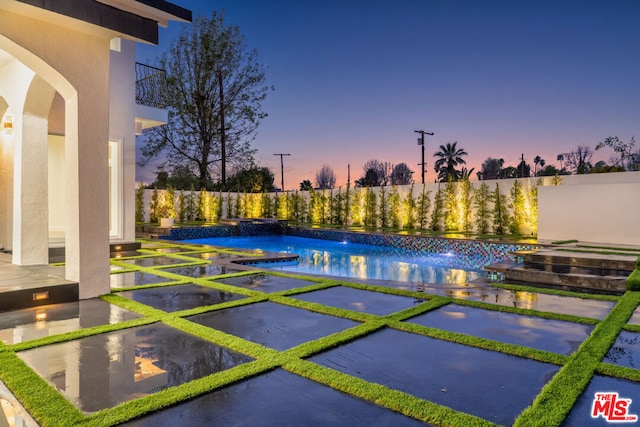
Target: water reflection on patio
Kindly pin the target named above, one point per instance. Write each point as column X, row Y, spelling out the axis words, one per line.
column 101, row 371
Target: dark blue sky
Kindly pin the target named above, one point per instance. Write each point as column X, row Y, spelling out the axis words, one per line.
column 353, row 78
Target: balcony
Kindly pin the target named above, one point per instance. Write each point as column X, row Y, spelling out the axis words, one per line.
column 150, row 86
column 151, row 102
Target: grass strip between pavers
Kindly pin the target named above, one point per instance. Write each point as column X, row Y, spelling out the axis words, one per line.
column 550, row 291
column 44, row 403
column 82, row 333
column 618, row 371
column 559, row 395
column 380, row 395
column 50, row 408
column 528, row 312
column 599, row 251
column 176, row 395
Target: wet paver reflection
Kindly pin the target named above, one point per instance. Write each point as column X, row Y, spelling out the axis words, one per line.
column 267, row 283
column 491, row 385
column 625, row 351
column 544, row 334
column 154, row 261
column 136, row 278
column 201, row 270
column 38, row 322
column 580, row 415
column 273, row 325
column 101, row 371
column 359, row 300
column 180, row 297
column 276, row 399
column 635, row 318
column 595, row 309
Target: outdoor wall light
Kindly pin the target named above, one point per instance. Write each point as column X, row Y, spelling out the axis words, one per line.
column 40, row 296
column 7, row 125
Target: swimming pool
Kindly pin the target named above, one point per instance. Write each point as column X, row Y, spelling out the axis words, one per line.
column 359, row 261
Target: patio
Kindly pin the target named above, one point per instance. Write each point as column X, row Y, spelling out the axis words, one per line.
column 189, row 338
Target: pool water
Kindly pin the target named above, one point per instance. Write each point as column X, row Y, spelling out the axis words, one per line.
column 359, row 261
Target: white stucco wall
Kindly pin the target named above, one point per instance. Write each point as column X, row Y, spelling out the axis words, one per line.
column 122, row 129
column 76, row 64
column 605, row 213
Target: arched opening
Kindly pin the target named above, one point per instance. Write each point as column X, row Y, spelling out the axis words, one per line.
column 29, row 86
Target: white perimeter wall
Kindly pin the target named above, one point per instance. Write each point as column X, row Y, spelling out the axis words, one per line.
column 605, row 213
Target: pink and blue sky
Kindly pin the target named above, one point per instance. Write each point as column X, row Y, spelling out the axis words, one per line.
column 354, row 78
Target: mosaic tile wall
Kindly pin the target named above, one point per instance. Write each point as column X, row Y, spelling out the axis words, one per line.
column 244, row 228
column 185, row 233
column 490, row 252
column 468, row 251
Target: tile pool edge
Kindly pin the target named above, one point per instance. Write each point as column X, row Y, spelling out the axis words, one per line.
column 488, row 250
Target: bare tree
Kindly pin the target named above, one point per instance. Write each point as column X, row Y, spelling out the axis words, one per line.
column 382, row 171
column 401, row 174
column 325, row 178
column 579, row 160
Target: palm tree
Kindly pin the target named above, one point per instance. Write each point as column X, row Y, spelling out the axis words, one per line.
column 449, row 157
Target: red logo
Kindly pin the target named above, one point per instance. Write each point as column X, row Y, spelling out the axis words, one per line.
column 612, row 408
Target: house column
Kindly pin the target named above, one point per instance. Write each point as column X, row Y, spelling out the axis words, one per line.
column 30, row 219
column 87, row 192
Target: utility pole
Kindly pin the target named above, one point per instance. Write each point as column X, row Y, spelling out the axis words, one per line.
column 522, row 167
column 282, row 168
column 223, row 136
column 421, row 142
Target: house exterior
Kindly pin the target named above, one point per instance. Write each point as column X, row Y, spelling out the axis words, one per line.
column 68, row 124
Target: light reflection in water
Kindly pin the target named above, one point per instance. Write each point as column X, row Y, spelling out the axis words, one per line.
column 364, row 261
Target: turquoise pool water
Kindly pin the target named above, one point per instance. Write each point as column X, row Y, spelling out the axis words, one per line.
column 359, row 261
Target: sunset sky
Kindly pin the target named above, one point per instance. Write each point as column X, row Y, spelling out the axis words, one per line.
column 354, row 78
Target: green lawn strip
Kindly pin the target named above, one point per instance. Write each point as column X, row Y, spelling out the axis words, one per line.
column 330, row 341
column 386, row 397
column 214, row 284
column 175, row 395
column 297, row 276
column 598, row 252
column 323, row 309
column 613, row 248
column 559, row 395
column 151, row 285
column 484, row 343
column 386, row 290
column 305, row 289
column 131, row 305
column 45, row 404
column 550, row 291
column 564, row 242
column 528, row 312
column 631, row 328
column 618, row 371
column 220, row 306
column 240, row 345
column 81, row 333
column 418, row 309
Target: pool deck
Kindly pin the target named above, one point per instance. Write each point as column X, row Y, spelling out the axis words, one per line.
column 324, row 351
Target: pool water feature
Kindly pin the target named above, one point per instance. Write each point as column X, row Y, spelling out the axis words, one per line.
column 359, row 261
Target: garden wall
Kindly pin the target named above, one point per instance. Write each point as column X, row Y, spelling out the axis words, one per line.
column 574, row 206
column 604, row 213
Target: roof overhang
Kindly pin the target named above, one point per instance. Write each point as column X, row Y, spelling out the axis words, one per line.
column 131, row 19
